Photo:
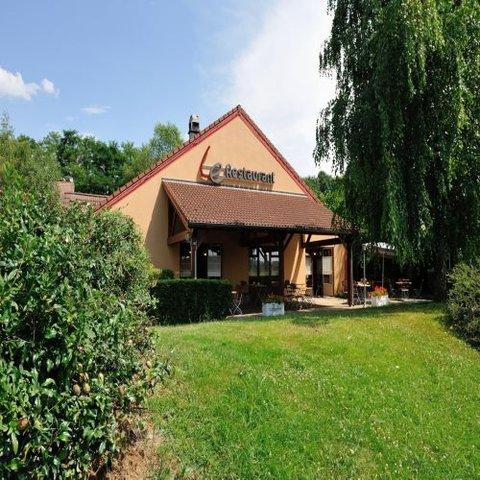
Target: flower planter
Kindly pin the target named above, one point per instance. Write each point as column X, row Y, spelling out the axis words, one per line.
column 271, row 309
column 379, row 301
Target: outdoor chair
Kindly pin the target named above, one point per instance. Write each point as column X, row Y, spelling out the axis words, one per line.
column 417, row 292
column 236, row 308
column 404, row 285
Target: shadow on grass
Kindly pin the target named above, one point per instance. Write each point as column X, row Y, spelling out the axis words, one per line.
column 324, row 316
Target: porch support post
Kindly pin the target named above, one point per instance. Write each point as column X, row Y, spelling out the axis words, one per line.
column 350, row 271
column 193, row 256
column 281, row 267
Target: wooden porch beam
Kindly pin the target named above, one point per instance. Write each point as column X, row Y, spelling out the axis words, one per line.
column 324, row 243
column 259, row 241
column 281, row 267
column 349, row 247
column 179, row 237
column 287, row 241
column 193, row 256
column 305, row 242
column 173, row 220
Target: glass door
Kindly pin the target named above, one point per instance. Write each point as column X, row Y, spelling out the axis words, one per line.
column 317, row 273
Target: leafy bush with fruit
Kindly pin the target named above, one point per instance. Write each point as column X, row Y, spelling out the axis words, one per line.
column 75, row 351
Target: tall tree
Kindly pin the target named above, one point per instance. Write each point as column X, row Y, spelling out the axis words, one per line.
column 404, row 127
column 36, row 165
column 166, row 137
column 329, row 191
column 96, row 166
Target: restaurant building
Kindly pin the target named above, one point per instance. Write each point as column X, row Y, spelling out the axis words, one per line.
column 227, row 204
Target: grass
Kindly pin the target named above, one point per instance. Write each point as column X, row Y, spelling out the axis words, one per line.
column 384, row 393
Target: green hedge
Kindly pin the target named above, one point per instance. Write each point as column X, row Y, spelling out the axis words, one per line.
column 463, row 306
column 191, row 300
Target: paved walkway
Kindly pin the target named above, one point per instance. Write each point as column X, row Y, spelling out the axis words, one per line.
column 336, row 303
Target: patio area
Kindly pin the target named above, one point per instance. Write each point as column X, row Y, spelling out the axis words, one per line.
column 335, row 303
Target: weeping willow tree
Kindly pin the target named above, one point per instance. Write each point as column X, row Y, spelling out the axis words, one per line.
column 404, row 126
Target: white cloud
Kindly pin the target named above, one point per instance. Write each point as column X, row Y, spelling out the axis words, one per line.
column 275, row 77
column 95, row 109
column 49, row 87
column 12, row 85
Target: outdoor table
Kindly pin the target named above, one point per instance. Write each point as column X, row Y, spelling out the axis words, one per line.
column 404, row 287
column 361, row 291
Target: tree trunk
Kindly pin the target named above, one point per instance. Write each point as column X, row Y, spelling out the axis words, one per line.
column 440, row 275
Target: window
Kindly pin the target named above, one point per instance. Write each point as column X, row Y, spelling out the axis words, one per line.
column 308, row 270
column 327, row 265
column 264, row 264
column 214, row 261
column 185, row 264
column 209, row 261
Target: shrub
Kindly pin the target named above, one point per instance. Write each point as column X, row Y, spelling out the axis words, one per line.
column 165, row 274
column 191, row 300
column 463, row 305
column 272, row 298
column 73, row 335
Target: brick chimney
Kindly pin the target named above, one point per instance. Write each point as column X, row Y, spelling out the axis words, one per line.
column 65, row 186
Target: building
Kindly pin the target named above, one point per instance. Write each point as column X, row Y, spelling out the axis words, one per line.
column 227, row 204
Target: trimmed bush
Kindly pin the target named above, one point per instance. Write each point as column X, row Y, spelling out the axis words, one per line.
column 463, row 304
column 74, row 342
column 191, row 300
column 165, row 274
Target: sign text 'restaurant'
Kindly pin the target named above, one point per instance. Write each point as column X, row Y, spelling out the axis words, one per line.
column 230, row 172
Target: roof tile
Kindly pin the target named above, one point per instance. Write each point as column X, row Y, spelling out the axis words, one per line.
column 211, row 205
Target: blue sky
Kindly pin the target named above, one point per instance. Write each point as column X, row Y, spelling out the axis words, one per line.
column 113, row 68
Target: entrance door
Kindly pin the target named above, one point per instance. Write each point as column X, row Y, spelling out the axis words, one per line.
column 317, row 273
column 209, row 261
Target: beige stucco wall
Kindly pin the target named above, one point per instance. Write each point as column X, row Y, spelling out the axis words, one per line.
column 294, row 260
column 339, row 268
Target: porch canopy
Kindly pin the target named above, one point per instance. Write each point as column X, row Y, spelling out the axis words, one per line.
column 280, row 215
column 209, row 206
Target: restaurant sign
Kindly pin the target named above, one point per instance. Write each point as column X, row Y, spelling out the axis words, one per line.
column 217, row 173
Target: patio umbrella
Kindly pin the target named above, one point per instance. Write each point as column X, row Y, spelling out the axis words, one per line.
column 381, row 248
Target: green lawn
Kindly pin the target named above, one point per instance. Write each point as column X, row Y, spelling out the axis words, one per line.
column 363, row 394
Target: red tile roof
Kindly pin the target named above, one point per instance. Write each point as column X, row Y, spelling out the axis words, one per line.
column 66, row 189
column 205, row 205
column 92, row 198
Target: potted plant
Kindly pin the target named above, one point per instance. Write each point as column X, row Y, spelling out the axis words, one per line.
column 273, row 305
column 379, row 297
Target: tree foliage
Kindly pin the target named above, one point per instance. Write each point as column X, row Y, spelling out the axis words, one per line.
column 166, row 137
column 463, row 306
column 32, row 161
column 329, row 190
column 404, row 125
column 96, row 166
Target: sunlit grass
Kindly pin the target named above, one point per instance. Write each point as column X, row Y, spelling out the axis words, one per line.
column 364, row 394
